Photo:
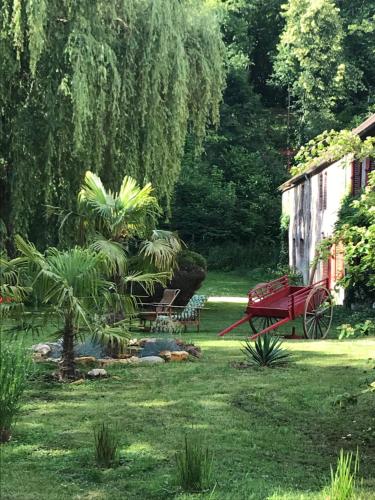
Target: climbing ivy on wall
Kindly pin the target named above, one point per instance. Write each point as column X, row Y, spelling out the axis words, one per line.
column 108, row 86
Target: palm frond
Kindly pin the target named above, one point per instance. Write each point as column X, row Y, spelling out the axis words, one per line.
column 171, row 237
column 160, row 253
column 133, row 197
column 147, row 280
column 112, row 336
column 29, row 251
column 113, row 254
column 94, row 196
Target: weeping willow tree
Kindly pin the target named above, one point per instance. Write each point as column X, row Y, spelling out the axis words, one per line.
column 113, row 87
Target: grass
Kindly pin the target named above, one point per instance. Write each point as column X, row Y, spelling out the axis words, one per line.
column 274, row 433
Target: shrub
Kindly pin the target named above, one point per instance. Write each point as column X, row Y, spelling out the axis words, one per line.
column 295, row 277
column 194, row 465
column 362, row 329
column 266, row 351
column 106, row 445
column 343, row 484
column 188, row 258
column 14, row 367
column 189, row 276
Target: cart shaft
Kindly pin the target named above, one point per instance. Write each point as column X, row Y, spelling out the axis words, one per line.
column 237, row 323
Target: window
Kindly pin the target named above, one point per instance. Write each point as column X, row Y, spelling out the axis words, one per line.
column 360, row 172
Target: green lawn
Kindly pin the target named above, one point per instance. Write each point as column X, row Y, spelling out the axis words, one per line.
column 274, row 433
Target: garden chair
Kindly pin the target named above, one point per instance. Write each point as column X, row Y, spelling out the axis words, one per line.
column 181, row 316
column 161, row 308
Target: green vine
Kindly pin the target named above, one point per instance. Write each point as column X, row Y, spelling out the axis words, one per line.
column 355, row 229
column 330, row 146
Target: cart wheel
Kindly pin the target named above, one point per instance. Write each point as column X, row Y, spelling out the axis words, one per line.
column 259, row 323
column 318, row 313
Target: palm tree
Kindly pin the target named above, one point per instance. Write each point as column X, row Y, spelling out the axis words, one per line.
column 12, row 291
column 122, row 225
column 73, row 283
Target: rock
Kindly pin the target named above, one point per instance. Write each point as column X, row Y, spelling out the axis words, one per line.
column 151, row 360
column 143, row 342
column 133, row 343
column 166, row 355
column 179, row 356
column 97, row 373
column 42, row 349
column 78, row 382
column 193, row 350
column 133, row 360
column 133, row 351
column 85, row 360
column 110, row 362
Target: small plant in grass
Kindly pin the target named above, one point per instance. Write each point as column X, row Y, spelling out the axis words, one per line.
column 266, row 351
column 106, row 445
column 14, row 367
column 194, row 465
column 343, row 480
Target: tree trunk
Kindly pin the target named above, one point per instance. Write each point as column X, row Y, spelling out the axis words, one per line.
column 67, row 367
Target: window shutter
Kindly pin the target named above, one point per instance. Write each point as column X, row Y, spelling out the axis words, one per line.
column 325, row 269
column 339, row 261
column 370, row 167
column 325, row 191
column 320, row 188
column 356, row 177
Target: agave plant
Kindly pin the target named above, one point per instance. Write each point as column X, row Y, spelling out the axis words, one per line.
column 266, row 351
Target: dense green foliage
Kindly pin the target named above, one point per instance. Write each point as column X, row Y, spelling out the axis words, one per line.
column 109, row 86
column 356, row 230
column 129, row 89
column 293, row 71
column 330, row 146
column 15, row 365
column 325, row 60
column 226, row 199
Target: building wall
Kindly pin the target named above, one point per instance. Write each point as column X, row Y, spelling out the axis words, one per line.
column 313, row 207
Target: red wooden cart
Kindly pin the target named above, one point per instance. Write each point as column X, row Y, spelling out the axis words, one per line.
column 277, row 302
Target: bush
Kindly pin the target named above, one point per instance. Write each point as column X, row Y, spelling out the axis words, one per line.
column 362, row 329
column 189, row 276
column 267, row 351
column 14, row 367
column 188, row 259
column 295, row 277
column 194, row 465
column 343, row 484
column 106, row 445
